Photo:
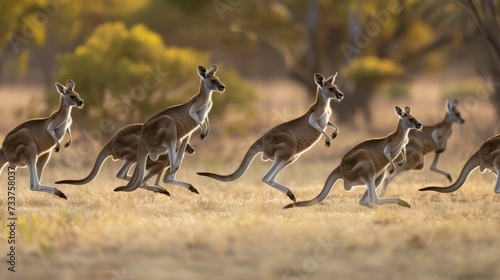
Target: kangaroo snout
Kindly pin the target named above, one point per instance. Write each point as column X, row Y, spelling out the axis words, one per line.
column 79, row 103
column 222, row 87
column 339, row 95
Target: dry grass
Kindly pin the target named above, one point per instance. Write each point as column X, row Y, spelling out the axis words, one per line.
column 239, row 231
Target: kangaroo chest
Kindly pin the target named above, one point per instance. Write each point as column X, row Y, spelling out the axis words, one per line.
column 47, row 142
column 203, row 111
column 61, row 129
column 323, row 118
column 185, row 127
column 184, row 122
column 440, row 136
column 307, row 137
column 397, row 149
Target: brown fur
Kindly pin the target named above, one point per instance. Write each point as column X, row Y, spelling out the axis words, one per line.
column 30, row 144
column 123, row 146
column 367, row 162
column 162, row 132
column 487, row 157
column 284, row 143
column 432, row 139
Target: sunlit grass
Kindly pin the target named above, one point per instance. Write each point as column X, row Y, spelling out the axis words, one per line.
column 238, row 230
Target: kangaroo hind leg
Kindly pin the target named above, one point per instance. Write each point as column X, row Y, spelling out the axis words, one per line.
column 35, row 182
column 154, row 170
column 369, row 197
column 435, row 169
column 40, row 164
column 270, row 177
column 3, row 160
column 175, row 164
column 124, row 169
column 497, row 169
column 170, row 179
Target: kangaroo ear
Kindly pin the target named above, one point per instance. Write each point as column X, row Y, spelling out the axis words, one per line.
column 202, row 71
column 407, row 110
column 399, row 111
column 449, row 106
column 331, row 80
column 61, row 89
column 455, row 103
column 212, row 69
column 319, row 79
column 70, row 85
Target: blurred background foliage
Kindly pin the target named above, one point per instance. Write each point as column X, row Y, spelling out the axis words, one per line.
column 124, row 74
column 109, row 47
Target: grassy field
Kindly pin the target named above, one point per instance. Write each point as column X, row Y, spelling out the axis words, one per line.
column 239, row 231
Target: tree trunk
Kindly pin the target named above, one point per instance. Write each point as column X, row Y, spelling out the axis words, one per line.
column 495, row 97
column 4, row 56
column 359, row 101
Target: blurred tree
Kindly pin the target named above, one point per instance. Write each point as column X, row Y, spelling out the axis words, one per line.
column 66, row 29
column 368, row 73
column 321, row 36
column 21, row 24
column 263, row 37
column 485, row 16
column 122, row 75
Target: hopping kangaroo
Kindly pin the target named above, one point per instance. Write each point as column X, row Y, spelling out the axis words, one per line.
column 162, row 132
column 487, row 157
column 284, row 143
column 123, row 146
column 31, row 143
column 431, row 139
column 367, row 163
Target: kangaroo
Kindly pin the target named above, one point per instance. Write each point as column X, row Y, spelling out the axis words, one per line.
column 432, row 139
column 367, row 163
column 284, row 143
column 30, row 144
column 162, row 132
column 487, row 157
column 123, row 146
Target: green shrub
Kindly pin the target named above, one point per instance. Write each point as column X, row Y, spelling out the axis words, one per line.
column 371, row 70
column 126, row 75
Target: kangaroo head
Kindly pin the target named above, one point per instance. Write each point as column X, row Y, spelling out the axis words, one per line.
column 452, row 113
column 407, row 119
column 209, row 80
column 327, row 88
column 69, row 95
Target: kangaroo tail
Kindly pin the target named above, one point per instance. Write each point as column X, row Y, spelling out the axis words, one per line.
column 245, row 163
column 471, row 164
column 103, row 155
column 138, row 176
column 330, row 182
column 3, row 160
